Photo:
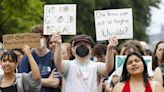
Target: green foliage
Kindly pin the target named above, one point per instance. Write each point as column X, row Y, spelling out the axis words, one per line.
column 20, row 15
column 85, row 13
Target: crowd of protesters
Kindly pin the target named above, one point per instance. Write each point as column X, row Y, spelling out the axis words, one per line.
column 80, row 66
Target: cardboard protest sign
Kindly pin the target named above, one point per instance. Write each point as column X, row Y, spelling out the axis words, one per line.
column 118, row 22
column 12, row 41
column 61, row 18
column 121, row 59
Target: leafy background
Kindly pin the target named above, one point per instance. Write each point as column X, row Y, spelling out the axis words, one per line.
column 18, row 16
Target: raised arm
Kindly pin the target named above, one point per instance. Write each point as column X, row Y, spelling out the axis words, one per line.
column 109, row 61
column 33, row 64
column 61, row 66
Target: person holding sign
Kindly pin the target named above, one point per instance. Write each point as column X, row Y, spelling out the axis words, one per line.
column 44, row 57
column 12, row 82
column 81, row 73
column 135, row 76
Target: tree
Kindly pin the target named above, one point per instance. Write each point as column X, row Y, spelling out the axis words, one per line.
column 85, row 13
column 18, row 16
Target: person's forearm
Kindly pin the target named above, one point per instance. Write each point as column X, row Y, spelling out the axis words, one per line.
column 50, row 83
column 57, row 57
column 34, row 68
column 109, row 60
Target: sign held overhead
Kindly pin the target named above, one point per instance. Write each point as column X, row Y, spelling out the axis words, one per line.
column 118, row 22
column 61, row 18
column 12, row 41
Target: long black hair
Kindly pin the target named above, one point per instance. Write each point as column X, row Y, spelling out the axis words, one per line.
column 125, row 75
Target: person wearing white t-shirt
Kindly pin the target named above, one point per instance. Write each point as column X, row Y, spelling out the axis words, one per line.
column 81, row 73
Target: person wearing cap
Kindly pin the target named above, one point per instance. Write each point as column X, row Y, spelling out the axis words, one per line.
column 81, row 73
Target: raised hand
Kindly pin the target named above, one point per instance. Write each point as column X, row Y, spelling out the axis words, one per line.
column 113, row 41
column 26, row 49
column 56, row 37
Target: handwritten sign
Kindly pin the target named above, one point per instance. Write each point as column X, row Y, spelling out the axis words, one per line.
column 116, row 22
column 12, row 41
column 121, row 59
column 61, row 18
